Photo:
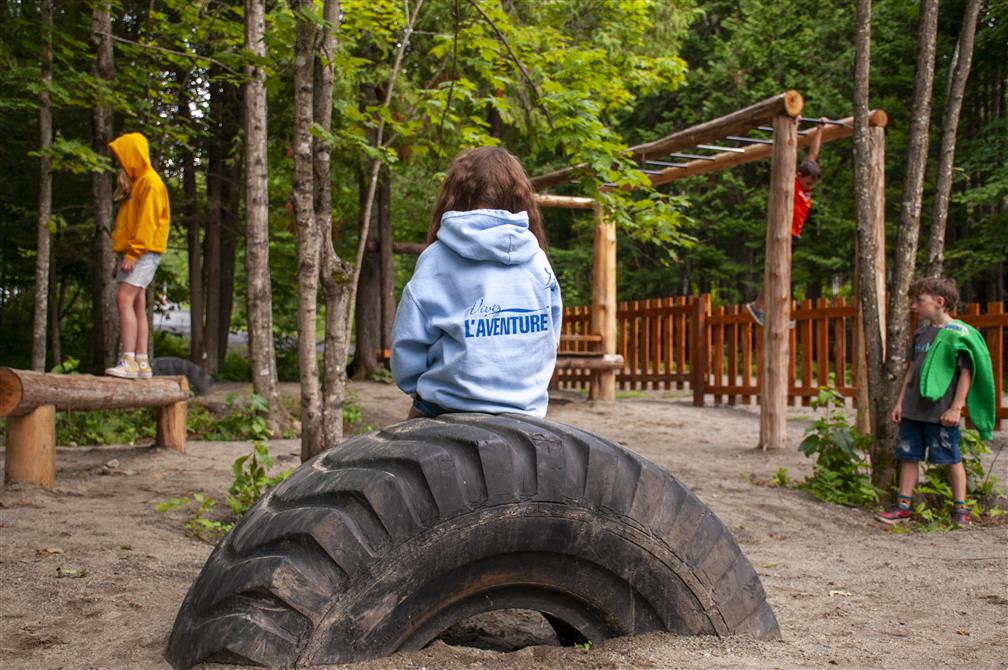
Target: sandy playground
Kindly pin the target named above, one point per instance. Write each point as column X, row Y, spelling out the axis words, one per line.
column 91, row 576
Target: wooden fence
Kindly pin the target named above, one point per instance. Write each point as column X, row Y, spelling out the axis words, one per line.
column 661, row 338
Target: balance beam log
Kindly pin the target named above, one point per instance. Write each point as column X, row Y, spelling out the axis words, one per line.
column 30, row 400
column 22, row 390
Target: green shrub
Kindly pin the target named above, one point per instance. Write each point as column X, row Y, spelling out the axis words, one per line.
column 251, row 482
column 235, row 368
column 242, row 420
column 841, row 474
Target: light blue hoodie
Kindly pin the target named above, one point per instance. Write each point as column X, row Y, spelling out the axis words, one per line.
column 479, row 323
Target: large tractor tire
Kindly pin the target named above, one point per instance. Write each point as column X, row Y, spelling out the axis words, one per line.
column 382, row 544
column 199, row 380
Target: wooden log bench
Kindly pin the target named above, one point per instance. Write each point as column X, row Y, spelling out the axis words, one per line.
column 29, row 400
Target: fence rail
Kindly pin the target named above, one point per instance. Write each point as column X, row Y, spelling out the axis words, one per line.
column 660, row 339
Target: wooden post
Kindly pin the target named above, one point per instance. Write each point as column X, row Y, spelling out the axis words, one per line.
column 172, row 421
column 698, row 348
column 31, row 447
column 777, row 285
column 603, row 314
column 876, row 190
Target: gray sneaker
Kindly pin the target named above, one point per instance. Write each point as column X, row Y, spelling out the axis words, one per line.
column 756, row 314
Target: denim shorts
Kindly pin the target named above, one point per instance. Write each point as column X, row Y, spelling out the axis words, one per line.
column 143, row 273
column 429, row 409
column 917, row 437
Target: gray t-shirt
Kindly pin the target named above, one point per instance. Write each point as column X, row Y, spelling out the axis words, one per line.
column 915, row 406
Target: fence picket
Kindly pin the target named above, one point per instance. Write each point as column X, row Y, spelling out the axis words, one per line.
column 663, row 347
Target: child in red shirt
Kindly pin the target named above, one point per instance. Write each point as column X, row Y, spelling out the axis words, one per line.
column 806, row 177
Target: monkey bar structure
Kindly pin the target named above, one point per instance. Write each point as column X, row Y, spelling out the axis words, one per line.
column 713, row 146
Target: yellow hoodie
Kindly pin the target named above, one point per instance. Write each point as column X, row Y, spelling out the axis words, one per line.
column 142, row 221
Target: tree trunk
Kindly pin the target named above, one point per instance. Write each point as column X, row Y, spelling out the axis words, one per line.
column 308, row 234
column 258, row 291
column 879, row 452
column 334, row 272
column 57, row 292
column 192, row 223
column 230, row 230
column 386, row 260
column 212, row 238
column 103, row 289
column 368, row 316
column 958, row 75
column 45, row 194
column 886, row 369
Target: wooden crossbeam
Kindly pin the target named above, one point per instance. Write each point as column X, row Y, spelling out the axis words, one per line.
column 736, row 123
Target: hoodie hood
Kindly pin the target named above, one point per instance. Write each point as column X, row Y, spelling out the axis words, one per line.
column 133, row 153
column 489, row 235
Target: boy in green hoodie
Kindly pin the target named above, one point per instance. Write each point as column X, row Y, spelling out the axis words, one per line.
column 930, row 428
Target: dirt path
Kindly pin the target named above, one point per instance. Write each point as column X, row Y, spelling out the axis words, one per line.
column 91, row 576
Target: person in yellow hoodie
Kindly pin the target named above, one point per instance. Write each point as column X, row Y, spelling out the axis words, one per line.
column 139, row 239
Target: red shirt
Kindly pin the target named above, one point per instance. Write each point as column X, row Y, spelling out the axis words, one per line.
column 802, row 205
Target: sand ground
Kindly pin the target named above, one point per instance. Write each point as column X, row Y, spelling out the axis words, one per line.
column 92, row 577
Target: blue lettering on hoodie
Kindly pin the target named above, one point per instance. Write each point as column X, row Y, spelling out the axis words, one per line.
column 479, row 322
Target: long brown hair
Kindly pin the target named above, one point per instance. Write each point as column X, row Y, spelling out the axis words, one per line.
column 487, row 178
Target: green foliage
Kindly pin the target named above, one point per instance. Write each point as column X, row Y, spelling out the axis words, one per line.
column 67, row 367
column 251, row 482
column 981, row 486
column 240, row 420
column 235, row 368
column 841, row 474
column 383, row 376
column 198, row 525
column 252, row 479
column 100, row 427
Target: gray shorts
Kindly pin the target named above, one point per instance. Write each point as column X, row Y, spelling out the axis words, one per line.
column 143, row 273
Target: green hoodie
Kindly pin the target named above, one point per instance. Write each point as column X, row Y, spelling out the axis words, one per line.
column 940, row 365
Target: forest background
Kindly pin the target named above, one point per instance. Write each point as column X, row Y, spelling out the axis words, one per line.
column 557, row 83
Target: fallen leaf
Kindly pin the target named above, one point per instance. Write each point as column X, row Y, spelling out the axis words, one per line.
column 69, row 572
column 839, row 593
column 963, row 632
column 24, row 502
column 48, row 551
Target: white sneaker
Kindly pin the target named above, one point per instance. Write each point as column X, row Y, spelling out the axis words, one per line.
column 126, row 368
column 144, row 369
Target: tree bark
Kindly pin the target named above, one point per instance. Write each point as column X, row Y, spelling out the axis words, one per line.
column 195, row 255
column 866, row 244
column 45, row 193
column 958, row 75
column 386, row 259
column 103, row 306
column 368, row 317
column 308, row 234
column 230, row 223
column 208, row 359
column 21, row 391
column 57, row 292
column 258, row 291
column 335, row 272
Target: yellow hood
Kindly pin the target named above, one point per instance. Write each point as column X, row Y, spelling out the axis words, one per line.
column 144, row 217
column 133, row 153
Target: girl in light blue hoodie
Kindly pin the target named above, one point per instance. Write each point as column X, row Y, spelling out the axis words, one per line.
column 479, row 323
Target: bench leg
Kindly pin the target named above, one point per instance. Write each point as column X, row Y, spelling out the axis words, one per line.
column 31, row 447
column 171, row 422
